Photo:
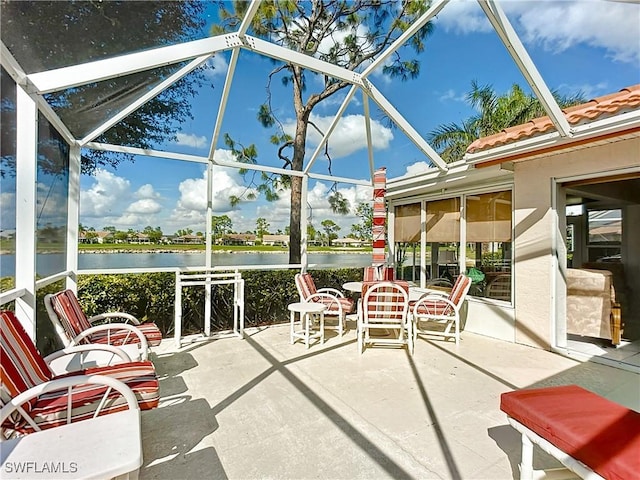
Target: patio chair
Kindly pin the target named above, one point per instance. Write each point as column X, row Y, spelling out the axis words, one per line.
column 499, row 287
column 378, row 273
column 443, row 311
column 23, row 368
column 384, row 309
column 73, row 327
column 337, row 304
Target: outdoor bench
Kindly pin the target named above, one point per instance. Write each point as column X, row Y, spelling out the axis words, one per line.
column 590, row 435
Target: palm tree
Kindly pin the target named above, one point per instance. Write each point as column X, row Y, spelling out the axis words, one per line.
column 495, row 113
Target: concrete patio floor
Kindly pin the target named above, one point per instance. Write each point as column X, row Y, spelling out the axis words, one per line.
column 261, row 408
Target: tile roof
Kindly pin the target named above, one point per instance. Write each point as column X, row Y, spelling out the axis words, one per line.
column 626, row 99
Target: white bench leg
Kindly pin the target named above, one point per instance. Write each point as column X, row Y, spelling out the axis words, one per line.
column 526, row 464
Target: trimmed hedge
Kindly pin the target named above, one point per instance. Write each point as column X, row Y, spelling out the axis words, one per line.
column 151, row 296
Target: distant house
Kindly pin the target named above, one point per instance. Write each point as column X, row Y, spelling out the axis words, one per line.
column 141, row 238
column 348, row 242
column 105, row 237
column 272, row 240
column 189, row 239
column 239, row 239
column 95, row 237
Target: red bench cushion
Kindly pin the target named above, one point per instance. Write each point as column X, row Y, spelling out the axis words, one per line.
column 602, row 434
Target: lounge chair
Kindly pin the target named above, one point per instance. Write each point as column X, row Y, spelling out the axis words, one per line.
column 73, row 327
column 23, row 368
column 434, row 309
column 337, row 304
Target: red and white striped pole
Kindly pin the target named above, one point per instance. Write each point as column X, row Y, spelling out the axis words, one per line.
column 379, row 216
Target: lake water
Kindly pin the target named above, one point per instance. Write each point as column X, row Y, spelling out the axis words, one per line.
column 48, row 264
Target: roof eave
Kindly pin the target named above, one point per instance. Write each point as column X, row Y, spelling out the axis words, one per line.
column 608, row 128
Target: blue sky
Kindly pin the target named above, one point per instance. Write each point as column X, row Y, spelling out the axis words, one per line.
column 588, row 46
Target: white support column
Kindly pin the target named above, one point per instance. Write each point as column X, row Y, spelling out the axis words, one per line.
column 73, row 217
column 26, row 178
column 304, row 257
column 177, row 328
column 391, row 238
column 462, row 251
column 423, row 244
column 207, row 260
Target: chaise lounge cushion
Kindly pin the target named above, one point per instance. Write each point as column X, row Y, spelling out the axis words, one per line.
column 602, row 434
column 22, row 367
column 74, row 321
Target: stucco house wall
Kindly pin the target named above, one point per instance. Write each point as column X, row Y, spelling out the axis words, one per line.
column 539, row 280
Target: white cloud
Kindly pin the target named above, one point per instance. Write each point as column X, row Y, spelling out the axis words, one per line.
column 105, row 197
column 451, row 94
column 613, row 26
column 7, row 210
column 321, row 210
column 191, row 207
column 110, row 201
column 277, row 213
column 147, row 191
column 191, row 140
column 219, row 66
column 588, row 90
column 417, row 168
column 349, row 135
column 463, row 18
column 146, row 206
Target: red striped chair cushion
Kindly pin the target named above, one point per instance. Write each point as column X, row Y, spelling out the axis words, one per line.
column 385, row 302
column 333, row 304
column 22, row 366
column 460, row 289
column 382, row 273
column 307, row 285
column 151, row 332
column 50, row 409
column 74, row 321
column 435, row 307
column 70, row 313
column 123, row 337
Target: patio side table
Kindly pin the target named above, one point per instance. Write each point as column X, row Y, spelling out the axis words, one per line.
column 307, row 312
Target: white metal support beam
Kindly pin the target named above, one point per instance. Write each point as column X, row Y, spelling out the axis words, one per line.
column 157, row 90
column 433, row 10
column 248, row 17
column 289, row 56
column 26, row 190
column 405, row 126
column 518, row 53
column 367, row 119
column 73, row 216
column 20, row 77
column 223, row 102
column 67, row 77
column 334, row 123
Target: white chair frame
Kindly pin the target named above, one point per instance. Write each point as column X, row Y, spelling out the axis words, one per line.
column 380, row 309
